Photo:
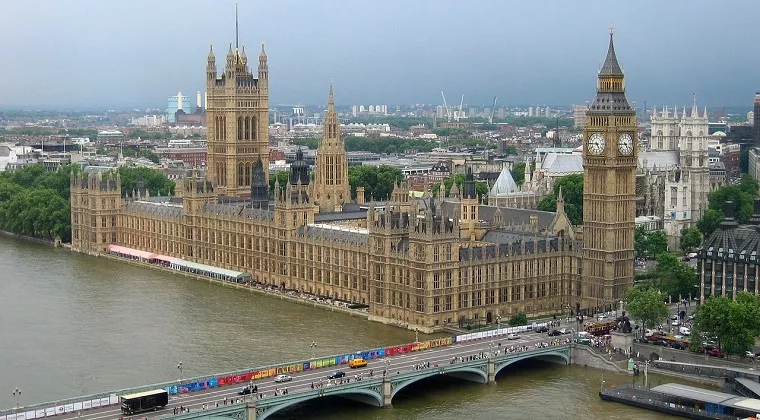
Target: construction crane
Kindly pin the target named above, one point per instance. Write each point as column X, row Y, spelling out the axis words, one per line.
column 459, row 115
column 493, row 109
column 446, row 107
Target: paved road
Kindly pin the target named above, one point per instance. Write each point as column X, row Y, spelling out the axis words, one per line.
column 302, row 380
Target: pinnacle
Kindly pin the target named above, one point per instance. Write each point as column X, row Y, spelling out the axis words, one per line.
column 611, row 65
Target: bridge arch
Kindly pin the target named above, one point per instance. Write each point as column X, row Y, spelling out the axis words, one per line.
column 366, row 396
column 552, row 357
column 467, row 373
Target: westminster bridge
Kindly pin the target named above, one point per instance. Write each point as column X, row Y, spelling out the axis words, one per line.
column 474, row 357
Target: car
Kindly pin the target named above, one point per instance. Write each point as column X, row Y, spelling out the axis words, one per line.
column 716, row 352
column 512, row 336
column 565, row 331
column 245, row 391
column 283, row 378
column 674, row 317
column 749, row 354
column 541, row 329
column 675, row 323
column 684, row 331
column 690, row 317
column 357, row 363
column 554, row 333
column 337, row 374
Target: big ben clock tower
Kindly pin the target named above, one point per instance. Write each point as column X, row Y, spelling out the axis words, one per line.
column 609, row 209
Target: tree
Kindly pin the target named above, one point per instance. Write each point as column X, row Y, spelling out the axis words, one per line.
column 518, row 172
column 519, row 319
column 155, row 181
column 690, row 238
column 734, row 324
column 657, row 242
column 709, row 222
column 673, row 277
column 572, row 192
column 647, row 305
column 150, row 156
column 378, row 181
column 510, row 150
column 640, row 242
column 281, row 177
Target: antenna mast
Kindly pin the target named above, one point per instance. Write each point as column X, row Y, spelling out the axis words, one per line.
column 237, row 39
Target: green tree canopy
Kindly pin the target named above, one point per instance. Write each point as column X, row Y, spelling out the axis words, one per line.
column 572, row 191
column 518, row 172
column 155, row 181
column 709, row 222
column 646, row 305
column 673, row 277
column 376, row 144
column 518, row 319
column 734, row 324
column 378, row 181
column 691, row 238
column 742, row 195
column 281, row 177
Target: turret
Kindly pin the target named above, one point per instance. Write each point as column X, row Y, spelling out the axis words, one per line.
column 263, row 66
column 211, row 66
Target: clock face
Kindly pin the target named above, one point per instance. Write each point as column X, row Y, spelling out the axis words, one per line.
column 596, row 144
column 625, row 144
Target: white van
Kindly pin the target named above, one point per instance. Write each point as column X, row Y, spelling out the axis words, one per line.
column 684, row 331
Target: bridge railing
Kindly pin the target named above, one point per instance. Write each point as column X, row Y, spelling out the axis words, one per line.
column 242, row 376
column 236, row 377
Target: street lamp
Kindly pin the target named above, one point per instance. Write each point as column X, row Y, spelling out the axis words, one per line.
column 498, row 322
column 416, row 335
column 313, row 348
column 179, row 366
column 17, row 394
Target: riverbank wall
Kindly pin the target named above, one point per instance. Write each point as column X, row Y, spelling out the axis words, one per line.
column 28, row 238
column 583, row 355
column 264, row 292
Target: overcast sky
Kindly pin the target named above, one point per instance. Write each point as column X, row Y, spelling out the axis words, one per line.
column 99, row 53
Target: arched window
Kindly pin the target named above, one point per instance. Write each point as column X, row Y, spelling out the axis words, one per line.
column 240, row 174
column 247, row 180
column 254, row 131
column 247, row 128
column 240, row 128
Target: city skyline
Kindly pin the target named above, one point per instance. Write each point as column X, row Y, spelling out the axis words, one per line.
column 426, row 48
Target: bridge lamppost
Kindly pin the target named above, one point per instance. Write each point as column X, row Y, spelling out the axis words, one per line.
column 313, row 348
column 17, row 394
column 416, row 335
column 179, row 367
column 498, row 322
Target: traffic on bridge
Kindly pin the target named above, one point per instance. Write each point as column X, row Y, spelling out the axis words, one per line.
column 318, row 377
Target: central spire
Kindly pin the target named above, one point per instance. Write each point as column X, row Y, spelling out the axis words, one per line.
column 611, row 65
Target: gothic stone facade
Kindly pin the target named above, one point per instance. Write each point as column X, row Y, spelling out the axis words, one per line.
column 415, row 263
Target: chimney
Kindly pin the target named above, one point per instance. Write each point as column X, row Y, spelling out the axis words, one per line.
column 199, row 104
column 179, row 100
column 205, row 100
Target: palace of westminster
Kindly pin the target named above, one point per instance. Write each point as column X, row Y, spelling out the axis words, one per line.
column 416, row 263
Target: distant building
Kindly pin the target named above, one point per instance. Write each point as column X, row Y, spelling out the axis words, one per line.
column 727, row 262
column 7, row 155
column 756, row 118
column 673, row 176
column 176, row 103
column 579, row 116
column 110, row 136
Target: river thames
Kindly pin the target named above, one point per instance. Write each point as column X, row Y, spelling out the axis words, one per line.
column 74, row 324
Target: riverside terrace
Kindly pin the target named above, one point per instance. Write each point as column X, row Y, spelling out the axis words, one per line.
column 476, row 357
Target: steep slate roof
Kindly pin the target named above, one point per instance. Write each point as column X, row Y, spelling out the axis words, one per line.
column 156, row 209
column 611, row 65
column 563, row 163
column 733, row 240
column 238, row 209
column 504, row 184
column 355, row 236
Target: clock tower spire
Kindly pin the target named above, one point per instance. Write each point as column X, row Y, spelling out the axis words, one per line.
column 609, row 196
